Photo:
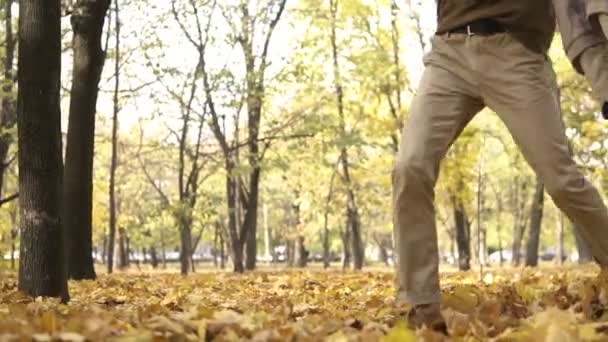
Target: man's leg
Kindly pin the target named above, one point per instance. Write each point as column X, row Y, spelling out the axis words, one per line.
column 594, row 62
column 522, row 89
column 445, row 103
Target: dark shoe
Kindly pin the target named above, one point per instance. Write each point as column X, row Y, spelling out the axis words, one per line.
column 429, row 316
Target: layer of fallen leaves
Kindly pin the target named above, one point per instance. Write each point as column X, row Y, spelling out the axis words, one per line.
column 565, row 304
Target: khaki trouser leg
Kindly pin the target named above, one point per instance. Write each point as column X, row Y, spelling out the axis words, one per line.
column 522, row 90
column 445, row 103
column 594, row 62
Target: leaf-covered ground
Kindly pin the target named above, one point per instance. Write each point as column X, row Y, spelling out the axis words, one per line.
column 551, row 304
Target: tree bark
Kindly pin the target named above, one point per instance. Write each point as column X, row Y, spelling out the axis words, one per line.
column 352, row 212
column 346, row 246
column 114, row 160
column 41, row 266
column 185, row 225
column 584, row 251
column 463, row 235
column 122, row 249
column 301, row 253
column 536, row 218
column 519, row 221
column 153, row 257
column 561, row 252
column 8, row 115
column 87, row 24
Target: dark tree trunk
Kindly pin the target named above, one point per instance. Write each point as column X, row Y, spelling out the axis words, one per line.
column 144, row 255
column 185, row 226
column 14, row 234
column 122, row 249
column 561, row 252
column 153, row 257
column 536, row 218
column 301, row 254
column 114, row 160
column 352, row 212
column 584, row 251
column 104, row 250
column 87, row 24
column 346, row 245
column 8, row 115
column 463, row 236
column 519, row 222
column 251, row 216
column 237, row 245
column 41, row 266
column 290, row 253
column 163, row 248
column 222, row 252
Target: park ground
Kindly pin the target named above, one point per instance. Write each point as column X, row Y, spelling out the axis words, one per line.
column 545, row 304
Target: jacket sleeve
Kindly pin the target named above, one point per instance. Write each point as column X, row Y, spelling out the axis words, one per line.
column 576, row 31
column 595, row 7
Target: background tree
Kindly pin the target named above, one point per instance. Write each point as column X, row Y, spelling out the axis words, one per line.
column 87, row 19
column 41, row 266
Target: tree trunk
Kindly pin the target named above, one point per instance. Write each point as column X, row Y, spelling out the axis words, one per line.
column 87, row 24
column 463, row 236
column 114, row 160
column 14, row 234
column 163, row 247
column 267, row 235
column 8, row 115
column 251, row 216
column 584, row 251
column 301, row 254
column 346, row 245
column 352, row 212
column 153, row 257
column 235, row 239
column 561, row 252
column 122, row 249
column 536, row 218
column 222, row 252
column 519, row 223
column 185, row 230
column 41, row 259
column 104, row 249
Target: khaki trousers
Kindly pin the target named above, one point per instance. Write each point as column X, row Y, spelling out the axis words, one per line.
column 463, row 75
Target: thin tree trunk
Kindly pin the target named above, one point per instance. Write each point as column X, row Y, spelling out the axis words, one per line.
column 163, row 247
column 536, row 218
column 463, row 236
column 14, row 234
column 114, row 161
column 301, row 254
column 87, row 24
column 153, row 257
column 8, row 115
column 584, row 251
column 237, row 245
column 326, row 247
column 252, row 210
column 346, row 245
column 352, row 212
column 267, row 243
column 185, row 256
column 561, row 253
column 519, row 222
column 122, row 248
column 222, row 252
column 41, row 259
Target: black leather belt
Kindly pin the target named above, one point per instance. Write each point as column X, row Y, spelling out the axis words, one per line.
column 483, row 27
